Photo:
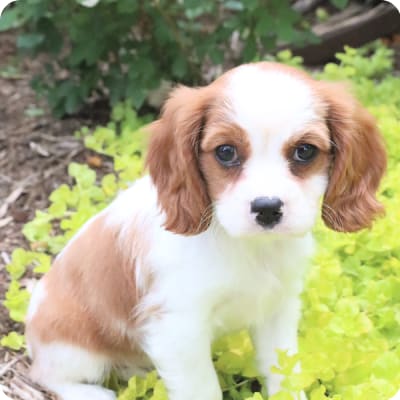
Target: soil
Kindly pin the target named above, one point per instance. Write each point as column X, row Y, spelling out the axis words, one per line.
column 35, row 150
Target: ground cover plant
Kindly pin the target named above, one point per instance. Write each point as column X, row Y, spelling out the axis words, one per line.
column 350, row 330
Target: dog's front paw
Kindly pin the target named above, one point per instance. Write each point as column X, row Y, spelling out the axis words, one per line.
column 396, row 396
column 82, row 392
column 302, row 396
column 202, row 393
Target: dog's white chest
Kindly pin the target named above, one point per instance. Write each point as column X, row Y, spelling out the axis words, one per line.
column 231, row 283
column 254, row 287
column 248, row 302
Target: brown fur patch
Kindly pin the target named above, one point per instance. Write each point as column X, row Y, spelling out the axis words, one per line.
column 173, row 158
column 359, row 161
column 318, row 136
column 217, row 176
column 90, row 294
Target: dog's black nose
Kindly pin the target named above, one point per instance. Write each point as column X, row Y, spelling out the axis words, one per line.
column 268, row 210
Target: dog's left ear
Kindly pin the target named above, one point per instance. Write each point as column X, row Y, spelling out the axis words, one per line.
column 173, row 161
column 359, row 161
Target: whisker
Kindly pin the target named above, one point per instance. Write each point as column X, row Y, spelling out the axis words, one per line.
column 205, row 217
column 332, row 216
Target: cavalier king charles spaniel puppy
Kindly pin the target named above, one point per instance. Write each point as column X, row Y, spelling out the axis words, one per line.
column 215, row 239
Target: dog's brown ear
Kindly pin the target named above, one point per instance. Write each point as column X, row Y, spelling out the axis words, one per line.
column 173, row 161
column 359, row 161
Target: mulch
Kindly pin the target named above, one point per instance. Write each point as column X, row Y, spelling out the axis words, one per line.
column 35, row 150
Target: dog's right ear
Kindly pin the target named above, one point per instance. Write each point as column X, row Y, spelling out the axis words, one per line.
column 173, row 162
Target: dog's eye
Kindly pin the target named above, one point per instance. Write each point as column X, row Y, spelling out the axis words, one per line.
column 305, row 153
column 227, row 155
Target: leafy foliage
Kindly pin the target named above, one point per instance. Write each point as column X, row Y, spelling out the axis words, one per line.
column 123, row 49
column 340, row 3
column 349, row 334
column 13, row 340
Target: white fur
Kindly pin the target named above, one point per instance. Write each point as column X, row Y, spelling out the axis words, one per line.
column 211, row 284
column 396, row 396
column 38, row 295
column 269, row 102
column 234, row 275
column 208, row 285
column 281, row 106
column 63, row 367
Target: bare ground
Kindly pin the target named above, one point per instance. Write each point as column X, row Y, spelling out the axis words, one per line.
column 35, row 150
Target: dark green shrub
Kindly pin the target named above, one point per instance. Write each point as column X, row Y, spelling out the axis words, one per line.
column 125, row 48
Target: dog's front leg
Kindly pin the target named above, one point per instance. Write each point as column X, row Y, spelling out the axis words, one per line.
column 180, row 348
column 277, row 332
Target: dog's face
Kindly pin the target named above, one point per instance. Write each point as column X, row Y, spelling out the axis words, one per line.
column 266, row 163
column 258, row 148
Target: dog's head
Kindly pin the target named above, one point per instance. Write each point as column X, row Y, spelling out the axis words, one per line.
column 258, row 148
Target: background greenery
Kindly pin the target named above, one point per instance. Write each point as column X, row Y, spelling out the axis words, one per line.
column 350, row 330
column 122, row 49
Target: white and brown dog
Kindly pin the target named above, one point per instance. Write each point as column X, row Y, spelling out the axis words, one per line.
column 215, row 239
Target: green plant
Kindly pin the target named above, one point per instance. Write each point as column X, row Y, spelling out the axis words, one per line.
column 285, row 57
column 349, row 334
column 340, row 3
column 124, row 49
column 373, row 61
